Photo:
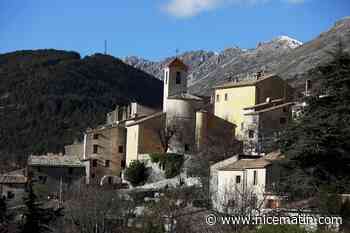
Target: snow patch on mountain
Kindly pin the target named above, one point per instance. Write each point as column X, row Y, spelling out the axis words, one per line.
column 287, row 41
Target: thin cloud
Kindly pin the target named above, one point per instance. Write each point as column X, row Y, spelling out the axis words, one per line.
column 190, row 8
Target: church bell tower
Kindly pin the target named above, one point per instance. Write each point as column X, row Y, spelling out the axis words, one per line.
column 175, row 81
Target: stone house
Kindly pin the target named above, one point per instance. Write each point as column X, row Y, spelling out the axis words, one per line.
column 263, row 123
column 13, row 186
column 246, row 181
column 57, row 173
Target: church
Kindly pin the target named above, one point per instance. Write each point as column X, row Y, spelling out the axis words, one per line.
column 183, row 125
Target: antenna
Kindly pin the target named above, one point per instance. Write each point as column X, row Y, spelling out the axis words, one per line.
column 105, row 47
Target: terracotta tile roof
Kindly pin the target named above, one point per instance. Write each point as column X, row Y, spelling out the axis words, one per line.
column 243, row 83
column 185, row 96
column 176, row 62
column 152, row 116
column 270, row 108
column 246, row 164
column 55, row 161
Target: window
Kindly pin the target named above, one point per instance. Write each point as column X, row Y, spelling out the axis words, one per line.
column 226, row 97
column 123, row 163
column 283, row 120
column 217, row 98
column 95, row 136
column 107, row 163
column 242, row 126
column 187, row 147
column 251, row 133
column 255, row 178
column 93, row 175
column 238, row 179
column 284, row 109
column 94, row 163
column 95, row 149
column 110, row 180
column 10, row 195
column 70, row 171
column 120, row 149
column 178, row 78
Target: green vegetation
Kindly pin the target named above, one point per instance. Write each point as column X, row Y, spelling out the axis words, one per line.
column 49, row 97
column 5, row 216
column 37, row 218
column 136, row 173
column 171, row 163
column 317, row 147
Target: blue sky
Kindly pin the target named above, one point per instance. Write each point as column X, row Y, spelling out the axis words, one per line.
column 154, row 29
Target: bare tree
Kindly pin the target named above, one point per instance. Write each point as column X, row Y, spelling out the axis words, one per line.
column 94, row 210
column 217, row 145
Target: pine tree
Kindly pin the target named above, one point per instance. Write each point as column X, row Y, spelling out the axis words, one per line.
column 36, row 218
column 3, row 210
column 5, row 216
column 318, row 146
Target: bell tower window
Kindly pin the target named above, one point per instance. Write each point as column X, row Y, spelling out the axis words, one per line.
column 178, row 77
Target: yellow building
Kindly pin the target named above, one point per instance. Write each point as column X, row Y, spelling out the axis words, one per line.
column 231, row 98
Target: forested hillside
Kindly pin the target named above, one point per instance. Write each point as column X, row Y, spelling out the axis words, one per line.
column 48, row 97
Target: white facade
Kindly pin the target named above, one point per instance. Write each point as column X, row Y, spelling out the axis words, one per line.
column 240, row 187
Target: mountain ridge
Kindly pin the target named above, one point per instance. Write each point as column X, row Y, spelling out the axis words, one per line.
column 283, row 55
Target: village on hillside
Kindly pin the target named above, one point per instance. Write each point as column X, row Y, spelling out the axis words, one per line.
column 193, row 155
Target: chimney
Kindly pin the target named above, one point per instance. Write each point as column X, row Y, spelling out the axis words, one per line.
column 259, row 74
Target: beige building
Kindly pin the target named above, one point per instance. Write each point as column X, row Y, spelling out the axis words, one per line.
column 231, row 98
column 144, row 137
column 214, row 133
column 104, row 147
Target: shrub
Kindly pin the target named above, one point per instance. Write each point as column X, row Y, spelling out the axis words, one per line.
column 171, row 163
column 136, row 173
column 155, row 158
